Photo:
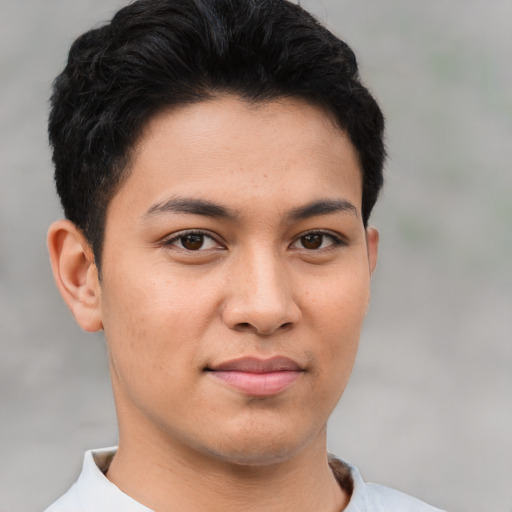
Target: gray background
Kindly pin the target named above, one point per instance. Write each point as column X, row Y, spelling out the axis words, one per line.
column 429, row 407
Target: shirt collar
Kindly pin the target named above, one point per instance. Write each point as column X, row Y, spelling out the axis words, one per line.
column 96, row 492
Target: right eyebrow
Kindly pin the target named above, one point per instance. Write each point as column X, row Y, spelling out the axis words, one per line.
column 190, row 206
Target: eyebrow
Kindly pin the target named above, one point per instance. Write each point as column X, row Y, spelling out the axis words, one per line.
column 190, row 206
column 322, row 207
column 209, row 209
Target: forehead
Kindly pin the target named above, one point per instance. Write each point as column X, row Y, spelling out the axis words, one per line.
column 230, row 149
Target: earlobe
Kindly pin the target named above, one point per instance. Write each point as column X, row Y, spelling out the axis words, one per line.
column 372, row 243
column 75, row 273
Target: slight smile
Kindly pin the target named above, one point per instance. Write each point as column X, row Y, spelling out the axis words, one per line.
column 258, row 377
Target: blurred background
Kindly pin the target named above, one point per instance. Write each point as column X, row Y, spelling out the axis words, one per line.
column 429, row 406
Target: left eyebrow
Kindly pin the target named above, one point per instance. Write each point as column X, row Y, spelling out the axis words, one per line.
column 322, row 207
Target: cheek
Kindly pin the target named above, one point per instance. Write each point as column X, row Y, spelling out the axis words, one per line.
column 153, row 326
column 152, row 319
column 335, row 317
column 338, row 303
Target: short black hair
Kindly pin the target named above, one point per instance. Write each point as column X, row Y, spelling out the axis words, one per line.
column 155, row 54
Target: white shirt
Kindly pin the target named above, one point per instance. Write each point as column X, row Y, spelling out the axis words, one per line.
column 93, row 492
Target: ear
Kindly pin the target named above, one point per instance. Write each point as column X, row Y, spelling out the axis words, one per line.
column 372, row 244
column 75, row 273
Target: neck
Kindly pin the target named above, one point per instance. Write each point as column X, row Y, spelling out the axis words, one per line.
column 167, row 477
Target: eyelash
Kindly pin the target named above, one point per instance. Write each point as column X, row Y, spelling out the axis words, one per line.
column 336, row 240
column 178, row 236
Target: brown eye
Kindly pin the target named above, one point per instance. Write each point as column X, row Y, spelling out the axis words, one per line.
column 317, row 241
column 192, row 242
column 312, row 241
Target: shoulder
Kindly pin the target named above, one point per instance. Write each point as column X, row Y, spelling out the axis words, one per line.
column 369, row 497
column 67, row 502
column 378, row 498
column 93, row 492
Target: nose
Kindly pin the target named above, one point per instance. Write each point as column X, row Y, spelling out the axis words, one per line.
column 260, row 296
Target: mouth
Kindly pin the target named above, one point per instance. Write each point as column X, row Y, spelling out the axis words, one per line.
column 258, row 377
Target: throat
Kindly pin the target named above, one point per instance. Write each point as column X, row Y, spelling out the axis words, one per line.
column 268, row 489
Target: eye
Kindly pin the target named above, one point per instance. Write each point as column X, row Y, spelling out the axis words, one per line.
column 316, row 240
column 193, row 241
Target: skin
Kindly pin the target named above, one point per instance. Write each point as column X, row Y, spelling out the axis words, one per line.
column 250, row 283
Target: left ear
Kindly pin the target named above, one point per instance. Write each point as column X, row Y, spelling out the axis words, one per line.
column 372, row 244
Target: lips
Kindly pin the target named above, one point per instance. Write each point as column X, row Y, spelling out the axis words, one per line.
column 258, row 377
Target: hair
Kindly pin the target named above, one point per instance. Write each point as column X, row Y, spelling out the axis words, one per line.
column 156, row 54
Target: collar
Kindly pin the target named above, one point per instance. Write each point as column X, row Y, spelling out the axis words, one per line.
column 93, row 491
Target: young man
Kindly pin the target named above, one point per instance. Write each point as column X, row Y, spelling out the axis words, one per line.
column 217, row 161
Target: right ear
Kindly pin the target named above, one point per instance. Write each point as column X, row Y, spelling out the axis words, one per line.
column 75, row 273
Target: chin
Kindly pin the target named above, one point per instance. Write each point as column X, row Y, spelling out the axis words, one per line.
column 261, row 447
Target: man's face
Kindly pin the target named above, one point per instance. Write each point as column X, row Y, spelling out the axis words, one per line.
column 235, row 278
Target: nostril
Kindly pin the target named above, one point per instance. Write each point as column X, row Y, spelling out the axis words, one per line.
column 244, row 326
column 247, row 326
